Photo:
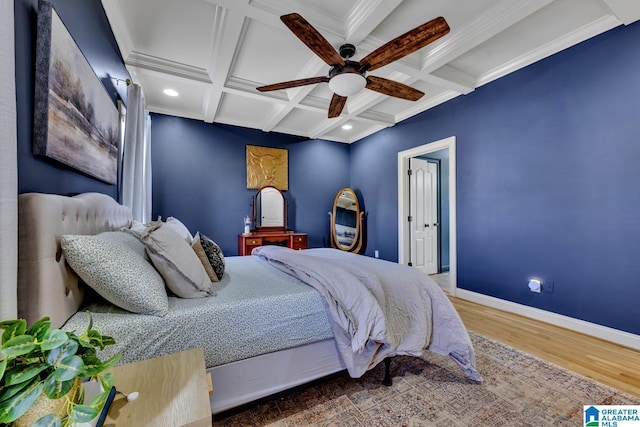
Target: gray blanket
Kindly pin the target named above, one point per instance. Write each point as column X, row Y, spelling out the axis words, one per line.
column 378, row 308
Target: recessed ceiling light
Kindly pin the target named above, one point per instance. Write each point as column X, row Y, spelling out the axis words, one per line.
column 170, row 92
column 347, row 127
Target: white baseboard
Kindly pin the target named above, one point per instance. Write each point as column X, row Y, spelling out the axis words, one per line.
column 603, row 332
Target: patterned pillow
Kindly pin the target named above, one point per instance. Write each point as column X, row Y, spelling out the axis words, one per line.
column 176, row 262
column 115, row 265
column 196, row 245
column 214, row 254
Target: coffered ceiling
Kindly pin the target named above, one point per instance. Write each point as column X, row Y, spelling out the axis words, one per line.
column 214, row 53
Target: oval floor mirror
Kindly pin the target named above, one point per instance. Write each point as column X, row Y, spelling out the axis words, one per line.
column 346, row 222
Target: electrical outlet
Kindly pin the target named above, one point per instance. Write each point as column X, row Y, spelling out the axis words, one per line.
column 547, row 287
column 376, row 254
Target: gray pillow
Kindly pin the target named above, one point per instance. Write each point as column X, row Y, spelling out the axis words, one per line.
column 115, row 265
column 177, row 262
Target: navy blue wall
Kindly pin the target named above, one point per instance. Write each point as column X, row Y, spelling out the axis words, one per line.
column 547, row 184
column 88, row 25
column 199, row 176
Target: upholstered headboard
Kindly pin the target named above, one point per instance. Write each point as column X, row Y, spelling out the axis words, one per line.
column 47, row 286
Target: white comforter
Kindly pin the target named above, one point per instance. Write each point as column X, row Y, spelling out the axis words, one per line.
column 378, row 308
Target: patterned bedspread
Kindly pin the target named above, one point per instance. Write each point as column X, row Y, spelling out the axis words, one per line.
column 258, row 309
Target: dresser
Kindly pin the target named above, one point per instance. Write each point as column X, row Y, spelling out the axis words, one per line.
column 290, row 239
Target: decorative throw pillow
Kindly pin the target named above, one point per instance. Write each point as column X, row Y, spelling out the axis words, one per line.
column 114, row 264
column 214, row 254
column 176, row 225
column 196, row 245
column 177, row 262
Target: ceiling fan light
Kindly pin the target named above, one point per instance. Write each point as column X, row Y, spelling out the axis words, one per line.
column 347, row 84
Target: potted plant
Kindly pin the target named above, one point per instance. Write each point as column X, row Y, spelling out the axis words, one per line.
column 40, row 363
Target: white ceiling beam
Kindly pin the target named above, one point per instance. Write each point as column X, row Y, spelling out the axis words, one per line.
column 118, row 27
column 580, row 34
column 365, row 17
column 628, row 11
column 228, row 28
column 493, row 21
column 164, row 66
column 315, row 66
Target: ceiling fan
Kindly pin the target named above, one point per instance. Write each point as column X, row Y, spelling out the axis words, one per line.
column 348, row 77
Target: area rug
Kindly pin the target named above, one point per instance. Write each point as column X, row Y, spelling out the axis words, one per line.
column 518, row 390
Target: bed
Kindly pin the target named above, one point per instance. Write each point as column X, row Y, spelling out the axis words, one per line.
column 266, row 327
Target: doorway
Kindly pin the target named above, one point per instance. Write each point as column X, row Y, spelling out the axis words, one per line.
column 406, row 247
column 424, row 224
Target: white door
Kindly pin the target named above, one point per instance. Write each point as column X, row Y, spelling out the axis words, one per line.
column 424, row 215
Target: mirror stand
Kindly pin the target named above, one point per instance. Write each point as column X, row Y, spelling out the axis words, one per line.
column 347, row 219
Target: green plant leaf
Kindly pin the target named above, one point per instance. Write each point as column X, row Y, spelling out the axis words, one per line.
column 84, row 413
column 3, row 366
column 90, row 321
column 68, row 368
column 7, row 392
column 67, row 349
column 14, row 408
column 14, row 329
column 110, row 362
column 106, row 380
column 18, row 346
column 56, row 389
column 99, row 399
column 51, row 420
column 39, row 328
column 95, row 338
column 107, row 340
column 22, row 373
column 92, row 365
column 53, row 339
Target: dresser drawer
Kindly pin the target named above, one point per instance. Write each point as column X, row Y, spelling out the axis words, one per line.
column 299, row 241
column 253, row 241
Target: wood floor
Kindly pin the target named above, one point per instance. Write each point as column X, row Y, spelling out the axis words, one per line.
column 608, row 363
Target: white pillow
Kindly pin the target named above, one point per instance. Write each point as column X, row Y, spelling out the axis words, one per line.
column 176, row 262
column 115, row 265
column 177, row 226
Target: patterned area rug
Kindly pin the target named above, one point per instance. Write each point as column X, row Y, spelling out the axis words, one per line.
column 518, row 390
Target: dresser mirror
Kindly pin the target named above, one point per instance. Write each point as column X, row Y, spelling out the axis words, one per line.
column 346, row 221
column 269, row 209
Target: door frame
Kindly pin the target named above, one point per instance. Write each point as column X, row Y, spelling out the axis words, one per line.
column 403, row 203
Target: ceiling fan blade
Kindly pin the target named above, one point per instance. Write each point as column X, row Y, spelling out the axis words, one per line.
column 392, row 88
column 406, row 44
column 336, row 106
column 312, row 38
column 293, row 83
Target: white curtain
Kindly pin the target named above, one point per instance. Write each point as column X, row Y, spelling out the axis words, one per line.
column 8, row 168
column 136, row 161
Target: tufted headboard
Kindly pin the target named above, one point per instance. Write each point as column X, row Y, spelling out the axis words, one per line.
column 47, row 286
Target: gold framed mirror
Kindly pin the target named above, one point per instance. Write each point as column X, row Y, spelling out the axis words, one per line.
column 269, row 209
column 346, row 221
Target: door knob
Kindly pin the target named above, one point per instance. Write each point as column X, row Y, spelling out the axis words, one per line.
column 435, row 224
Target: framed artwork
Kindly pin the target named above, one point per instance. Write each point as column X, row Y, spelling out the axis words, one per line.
column 75, row 120
column 267, row 166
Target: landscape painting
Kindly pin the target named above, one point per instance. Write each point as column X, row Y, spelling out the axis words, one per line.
column 75, row 120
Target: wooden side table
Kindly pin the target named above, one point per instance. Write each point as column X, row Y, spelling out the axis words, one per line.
column 174, row 391
column 290, row 239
